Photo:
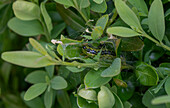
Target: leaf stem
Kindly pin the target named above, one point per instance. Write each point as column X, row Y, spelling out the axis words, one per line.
column 157, row 42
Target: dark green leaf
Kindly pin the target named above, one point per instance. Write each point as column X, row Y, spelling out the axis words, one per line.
column 167, row 86
column 100, row 8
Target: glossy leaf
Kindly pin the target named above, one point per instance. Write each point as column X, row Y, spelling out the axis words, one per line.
column 122, row 31
column 146, row 74
column 98, row 1
column 132, row 44
column 36, row 77
column 127, row 15
column 84, row 3
column 87, row 94
column 75, row 69
column 25, row 28
column 97, row 32
column 34, row 60
column 167, row 86
column 34, row 91
column 58, row 83
column 26, row 10
column 156, row 20
column 113, row 70
column 82, row 103
column 94, row 80
column 102, row 21
column 105, row 98
column 46, row 17
column 37, row 46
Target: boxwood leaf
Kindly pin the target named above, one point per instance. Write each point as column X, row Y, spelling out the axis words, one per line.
column 127, row 15
column 113, row 70
column 122, row 31
column 87, row 94
column 46, row 17
column 105, row 98
column 140, row 5
column 156, row 20
column 25, row 28
column 38, row 46
column 82, row 103
column 100, row 8
column 84, row 3
column 58, row 83
column 167, row 86
column 97, row 32
column 93, row 79
column 98, row 1
column 161, row 99
column 65, row 2
column 27, row 59
column 37, row 76
column 34, row 91
column 26, row 10
column 102, row 21
column 146, row 74
column 48, row 98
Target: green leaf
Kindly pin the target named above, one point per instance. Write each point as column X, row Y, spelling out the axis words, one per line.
column 113, row 70
column 161, row 100
column 27, row 59
column 156, row 20
column 82, row 103
column 167, row 86
column 132, row 44
column 75, row 69
column 98, row 1
column 58, row 83
column 105, row 98
column 97, row 32
column 50, row 70
column 48, row 99
column 37, row 46
column 127, row 15
column 34, row 103
column 160, row 85
column 146, row 74
column 46, row 17
column 87, row 94
column 94, row 80
column 37, row 76
column 34, row 91
column 57, row 30
column 140, row 5
column 26, row 10
column 65, row 2
column 102, row 21
column 122, row 31
column 25, row 28
column 84, row 3
column 63, row 99
column 118, row 102
column 99, row 8
column 71, row 19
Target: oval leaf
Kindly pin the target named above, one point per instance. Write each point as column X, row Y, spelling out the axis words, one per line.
column 58, row 83
column 167, row 86
column 36, row 77
column 113, row 70
column 156, row 20
column 34, row 91
column 97, row 32
column 94, row 80
column 146, row 74
column 26, row 10
column 25, row 28
column 105, row 98
column 100, row 8
column 87, row 94
column 127, row 15
column 27, row 59
column 122, row 31
column 102, row 21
